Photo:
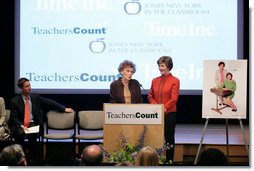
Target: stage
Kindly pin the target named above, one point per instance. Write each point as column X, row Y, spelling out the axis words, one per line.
column 187, row 138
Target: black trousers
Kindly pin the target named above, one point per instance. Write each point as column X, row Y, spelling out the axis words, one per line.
column 31, row 149
column 20, row 135
column 169, row 133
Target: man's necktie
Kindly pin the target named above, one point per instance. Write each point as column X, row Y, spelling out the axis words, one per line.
column 27, row 113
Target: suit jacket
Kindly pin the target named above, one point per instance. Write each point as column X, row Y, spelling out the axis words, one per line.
column 117, row 91
column 165, row 90
column 39, row 104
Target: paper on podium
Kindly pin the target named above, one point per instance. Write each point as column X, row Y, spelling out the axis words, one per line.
column 33, row 129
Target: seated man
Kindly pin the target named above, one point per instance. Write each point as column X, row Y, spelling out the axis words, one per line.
column 13, row 155
column 91, row 156
column 213, row 157
column 26, row 111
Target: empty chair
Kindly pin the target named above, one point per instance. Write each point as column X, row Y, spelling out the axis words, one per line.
column 90, row 127
column 60, row 126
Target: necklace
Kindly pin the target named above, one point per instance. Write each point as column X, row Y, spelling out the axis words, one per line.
column 125, row 84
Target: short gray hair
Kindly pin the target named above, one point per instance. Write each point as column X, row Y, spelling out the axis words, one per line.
column 12, row 155
column 127, row 63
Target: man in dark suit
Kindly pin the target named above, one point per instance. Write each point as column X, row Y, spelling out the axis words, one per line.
column 37, row 104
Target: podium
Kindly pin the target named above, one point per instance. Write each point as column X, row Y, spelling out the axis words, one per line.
column 130, row 120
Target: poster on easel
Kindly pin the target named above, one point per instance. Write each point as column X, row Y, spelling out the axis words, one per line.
column 224, row 89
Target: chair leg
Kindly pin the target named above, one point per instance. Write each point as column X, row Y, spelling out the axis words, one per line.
column 74, row 150
column 46, row 150
column 78, row 148
column 41, row 149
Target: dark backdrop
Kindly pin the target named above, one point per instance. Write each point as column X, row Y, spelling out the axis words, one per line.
column 189, row 106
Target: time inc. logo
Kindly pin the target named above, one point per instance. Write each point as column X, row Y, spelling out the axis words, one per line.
column 73, row 5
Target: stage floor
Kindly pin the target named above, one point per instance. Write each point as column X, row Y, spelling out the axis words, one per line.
column 187, row 139
column 215, row 134
column 192, row 133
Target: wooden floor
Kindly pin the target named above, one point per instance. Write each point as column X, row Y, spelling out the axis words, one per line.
column 215, row 134
column 187, row 138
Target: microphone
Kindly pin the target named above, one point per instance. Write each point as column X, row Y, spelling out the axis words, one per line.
column 146, row 92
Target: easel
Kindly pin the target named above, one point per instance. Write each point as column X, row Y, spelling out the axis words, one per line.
column 203, row 135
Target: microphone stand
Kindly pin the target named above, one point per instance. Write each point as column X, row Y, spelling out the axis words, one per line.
column 144, row 90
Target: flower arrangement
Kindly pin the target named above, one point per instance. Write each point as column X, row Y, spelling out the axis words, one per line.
column 129, row 152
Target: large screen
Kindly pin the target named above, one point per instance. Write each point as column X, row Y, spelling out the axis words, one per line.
column 76, row 46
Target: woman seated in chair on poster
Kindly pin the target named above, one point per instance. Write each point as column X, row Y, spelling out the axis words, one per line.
column 229, row 84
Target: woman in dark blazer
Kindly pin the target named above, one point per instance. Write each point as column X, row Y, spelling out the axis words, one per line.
column 126, row 89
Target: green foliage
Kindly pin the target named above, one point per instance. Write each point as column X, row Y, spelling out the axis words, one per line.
column 129, row 152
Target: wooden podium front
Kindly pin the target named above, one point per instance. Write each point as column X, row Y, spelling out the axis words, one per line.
column 130, row 119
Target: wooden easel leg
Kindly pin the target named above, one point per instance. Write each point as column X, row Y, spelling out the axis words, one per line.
column 227, row 139
column 201, row 141
column 244, row 138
